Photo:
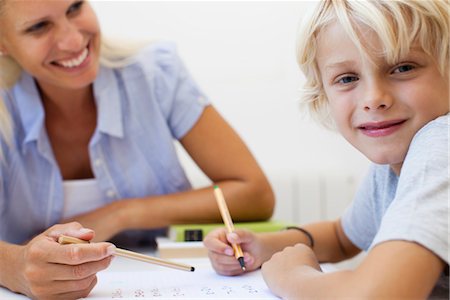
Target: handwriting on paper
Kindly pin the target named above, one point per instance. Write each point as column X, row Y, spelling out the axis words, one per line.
column 202, row 284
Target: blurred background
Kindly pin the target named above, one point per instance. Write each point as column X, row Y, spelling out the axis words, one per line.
column 242, row 54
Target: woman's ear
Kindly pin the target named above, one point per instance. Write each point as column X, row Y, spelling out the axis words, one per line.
column 3, row 51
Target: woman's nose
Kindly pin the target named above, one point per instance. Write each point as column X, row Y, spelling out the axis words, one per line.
column 69, row 37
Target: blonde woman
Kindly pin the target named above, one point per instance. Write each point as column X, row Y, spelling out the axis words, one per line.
column 377, row 71
column 88, row 136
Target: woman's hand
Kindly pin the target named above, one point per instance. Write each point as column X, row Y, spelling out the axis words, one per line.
column 47, row 270
column 283, row 271
column 221, row 253
column 106, row 221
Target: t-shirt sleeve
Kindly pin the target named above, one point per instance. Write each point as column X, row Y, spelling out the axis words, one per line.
column 178, row 95
column 420, row 209
column 358, row 221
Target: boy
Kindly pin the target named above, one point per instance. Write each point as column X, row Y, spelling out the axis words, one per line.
column 378, row 72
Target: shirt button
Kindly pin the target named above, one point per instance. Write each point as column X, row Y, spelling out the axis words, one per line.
column 97, row 162
column 202, row 100
column 110, row 193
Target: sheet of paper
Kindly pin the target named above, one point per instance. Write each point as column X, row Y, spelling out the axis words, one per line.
column 204, row 283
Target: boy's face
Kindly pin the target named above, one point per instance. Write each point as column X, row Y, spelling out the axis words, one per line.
column 376, row 106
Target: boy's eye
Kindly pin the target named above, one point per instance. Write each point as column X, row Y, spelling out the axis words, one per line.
column 403, row 68
column 75, row 8
column 347, row 79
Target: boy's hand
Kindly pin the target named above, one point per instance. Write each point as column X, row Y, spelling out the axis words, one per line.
column 221, row 253
column 282, row 271
column 48, row 270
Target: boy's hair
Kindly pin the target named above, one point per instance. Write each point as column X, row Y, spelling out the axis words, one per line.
column 397, row 23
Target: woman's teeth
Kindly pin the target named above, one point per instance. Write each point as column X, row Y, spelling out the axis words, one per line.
column 72, row 63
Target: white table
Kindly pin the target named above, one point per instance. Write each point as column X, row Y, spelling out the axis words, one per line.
column 131, row 278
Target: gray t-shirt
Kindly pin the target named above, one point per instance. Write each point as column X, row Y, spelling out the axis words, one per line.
column 413, row 206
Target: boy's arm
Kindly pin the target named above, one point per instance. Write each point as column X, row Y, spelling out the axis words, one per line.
column 394, row 269
column 330, row 242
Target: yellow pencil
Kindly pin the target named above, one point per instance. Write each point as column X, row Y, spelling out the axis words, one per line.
column 228, row 224
column 132, row 255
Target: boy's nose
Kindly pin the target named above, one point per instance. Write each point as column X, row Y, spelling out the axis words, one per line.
column 377, row 97
column 69, row 38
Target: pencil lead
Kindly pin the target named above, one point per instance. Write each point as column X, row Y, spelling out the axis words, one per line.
column 241, row 262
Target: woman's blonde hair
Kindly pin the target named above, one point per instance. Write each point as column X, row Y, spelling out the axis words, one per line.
column 397, row 23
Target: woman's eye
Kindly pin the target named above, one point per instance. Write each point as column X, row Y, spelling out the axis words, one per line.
column 347, row 79
column 75, row 8
column 403, row 68
column 38, row 27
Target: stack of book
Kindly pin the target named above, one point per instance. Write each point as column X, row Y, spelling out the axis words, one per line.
column 186, row 240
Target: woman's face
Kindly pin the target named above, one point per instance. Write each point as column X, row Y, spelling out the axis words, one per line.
column 57, row 42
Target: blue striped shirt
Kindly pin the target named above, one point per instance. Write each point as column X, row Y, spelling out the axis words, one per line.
column 142, row 108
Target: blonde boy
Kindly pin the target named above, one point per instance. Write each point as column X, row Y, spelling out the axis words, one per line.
column 377, row 71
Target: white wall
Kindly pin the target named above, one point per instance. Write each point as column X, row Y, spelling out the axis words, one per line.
column 243, row 56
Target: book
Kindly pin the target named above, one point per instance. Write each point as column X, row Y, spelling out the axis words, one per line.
column 196, row 232
column 170, row 249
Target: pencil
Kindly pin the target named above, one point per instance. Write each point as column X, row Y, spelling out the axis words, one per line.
column 132, row 255
column 228, row 224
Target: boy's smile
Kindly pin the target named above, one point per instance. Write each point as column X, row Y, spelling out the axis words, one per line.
column 378, row 129
column 379, row 107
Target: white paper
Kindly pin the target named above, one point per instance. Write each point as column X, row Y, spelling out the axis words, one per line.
column 175, row 284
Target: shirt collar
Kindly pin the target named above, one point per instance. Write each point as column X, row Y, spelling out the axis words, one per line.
column 107, row 94
column 30, row 107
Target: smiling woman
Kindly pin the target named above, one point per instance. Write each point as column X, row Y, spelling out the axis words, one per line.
column 91, row 145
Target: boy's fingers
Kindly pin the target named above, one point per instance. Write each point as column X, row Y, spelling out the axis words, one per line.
column 217, row 241
column 240, row 236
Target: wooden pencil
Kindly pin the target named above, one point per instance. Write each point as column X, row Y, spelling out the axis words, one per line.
column 225, row 213
column 132, row 255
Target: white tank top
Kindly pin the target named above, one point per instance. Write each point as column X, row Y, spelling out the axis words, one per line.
column 81, row 196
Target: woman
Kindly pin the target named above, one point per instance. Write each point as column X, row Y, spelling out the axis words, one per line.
column 91, row 141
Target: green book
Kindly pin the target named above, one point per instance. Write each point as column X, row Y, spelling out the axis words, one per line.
column 196, row 232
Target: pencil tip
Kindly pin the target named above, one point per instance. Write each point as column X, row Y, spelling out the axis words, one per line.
column 192, row 269
column 242, row 263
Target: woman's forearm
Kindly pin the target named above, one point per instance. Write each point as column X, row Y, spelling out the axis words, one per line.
column 8, row 267
column 246, row 202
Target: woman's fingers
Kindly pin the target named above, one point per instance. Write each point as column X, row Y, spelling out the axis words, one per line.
column 77, row 272
column 55, row 271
